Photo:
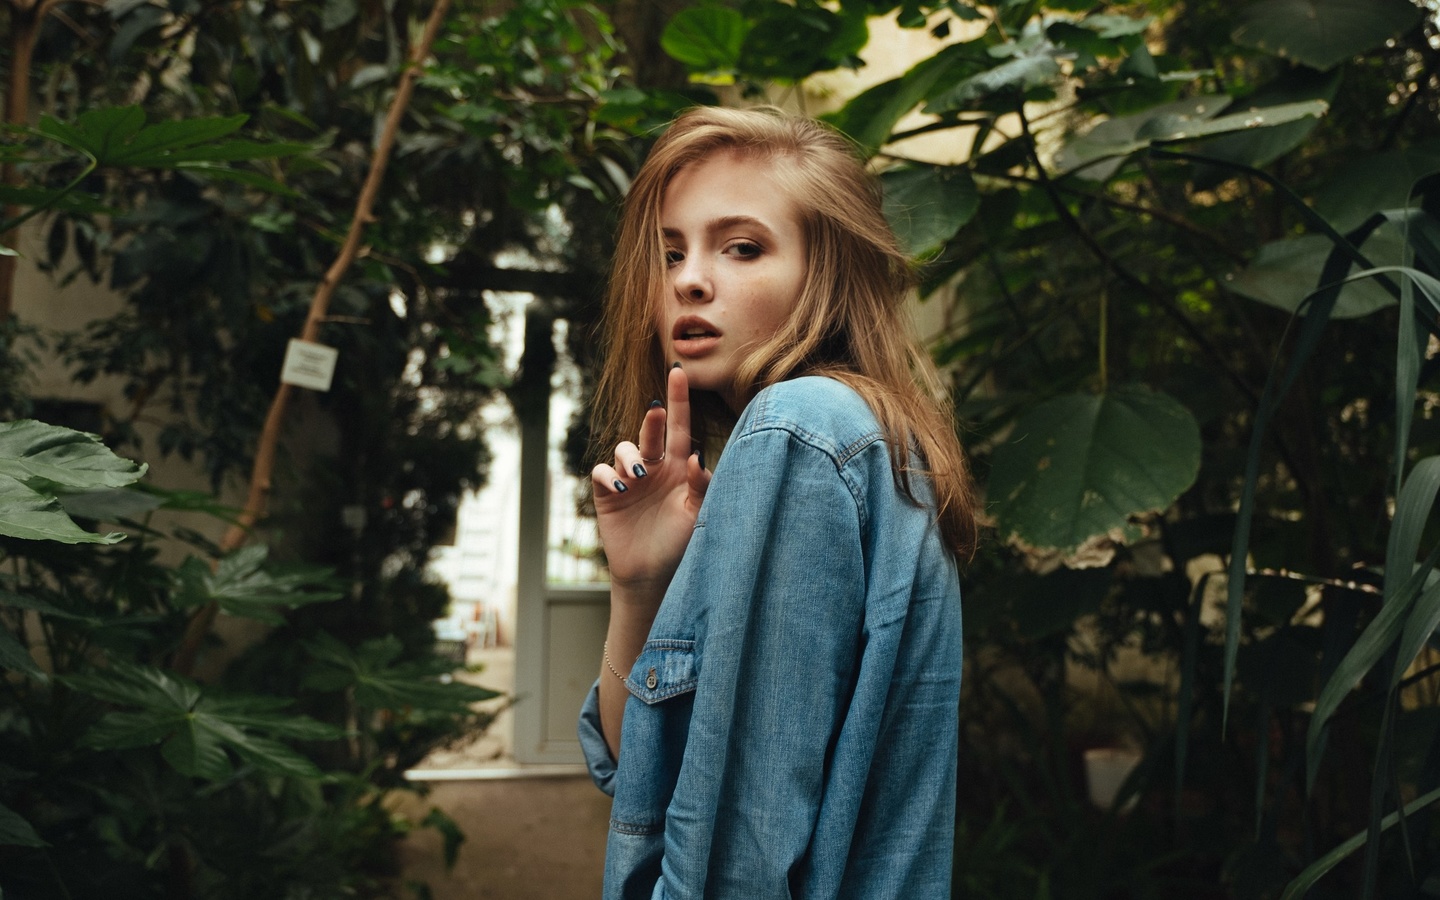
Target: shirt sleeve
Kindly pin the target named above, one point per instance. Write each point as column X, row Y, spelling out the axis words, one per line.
column 775, row 576
column 592, row 743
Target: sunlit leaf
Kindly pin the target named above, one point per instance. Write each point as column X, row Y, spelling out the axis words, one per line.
column 1262, row 146
column 1099, row 152
column 1323, row 33
column 871, row 116
column 1083, row 465
column 1014, row 76
column 706, row 38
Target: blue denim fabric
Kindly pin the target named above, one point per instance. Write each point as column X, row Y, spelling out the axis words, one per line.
column 792, row 725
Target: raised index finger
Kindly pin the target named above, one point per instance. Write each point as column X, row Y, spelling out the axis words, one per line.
column 677, row 420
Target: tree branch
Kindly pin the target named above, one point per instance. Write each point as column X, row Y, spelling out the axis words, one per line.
column 262, row 472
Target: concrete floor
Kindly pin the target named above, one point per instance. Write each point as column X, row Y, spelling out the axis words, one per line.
column 524, row 838
column 538, row 836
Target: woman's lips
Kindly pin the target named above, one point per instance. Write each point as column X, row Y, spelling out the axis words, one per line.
column 692, row 336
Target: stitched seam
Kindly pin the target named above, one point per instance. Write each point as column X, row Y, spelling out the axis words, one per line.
column 637, row 828
column 805, row 437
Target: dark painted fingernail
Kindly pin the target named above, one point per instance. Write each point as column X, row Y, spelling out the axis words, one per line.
column 655, row 403
column 620, row 486
column 639, row 470
column 676, row 365
column 701, row 455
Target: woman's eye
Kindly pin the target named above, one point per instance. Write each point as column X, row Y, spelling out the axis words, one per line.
column 673, row 257
column 745, row 249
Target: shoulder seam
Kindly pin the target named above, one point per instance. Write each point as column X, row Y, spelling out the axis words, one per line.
column 839, row 462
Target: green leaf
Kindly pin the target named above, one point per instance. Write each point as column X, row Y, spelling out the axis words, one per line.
column 15, row 657
column 927, row 205
column 1014, row 76
column 244, row 586
column 449, row 831
column 338, row 13
column 872, row 115
column 1082, row 465
column 131, row 685
column 197, row 730
column 20, row 601
column 380, row 685
column 273, row 756
column 1262, row 146
column 1097, row 154
column 26, row 513
column 1375, row 181
column 1323, row 33
column 1377, row 638
column 111, row 504
column 125, row 730
column 1307, row 879
column 1285, row 272
column 789, row 43
column 706, row 38
column 1115, row 26
column 1181, row 121
column 197, row 749
column 16, row 832
column 95, row 131
column 66, row 201
column 31, row 450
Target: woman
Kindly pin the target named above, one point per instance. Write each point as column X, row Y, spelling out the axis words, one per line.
column 776, row 709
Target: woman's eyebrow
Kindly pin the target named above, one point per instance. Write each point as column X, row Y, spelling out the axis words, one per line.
column 724, row 223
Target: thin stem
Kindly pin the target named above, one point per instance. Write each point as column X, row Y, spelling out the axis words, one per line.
column 1104, row 337
column 1162, row 215
column 1165, row 302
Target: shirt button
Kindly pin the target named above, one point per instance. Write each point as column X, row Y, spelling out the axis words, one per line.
column 651, row 680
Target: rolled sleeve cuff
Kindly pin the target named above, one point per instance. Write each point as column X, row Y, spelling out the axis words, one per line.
column 592, row 743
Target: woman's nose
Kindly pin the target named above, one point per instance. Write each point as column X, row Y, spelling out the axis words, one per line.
column 692, row 281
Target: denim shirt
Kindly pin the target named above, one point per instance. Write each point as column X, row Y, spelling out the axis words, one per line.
column 792, row 725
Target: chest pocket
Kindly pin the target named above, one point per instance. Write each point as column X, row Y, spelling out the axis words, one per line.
column 664, row 669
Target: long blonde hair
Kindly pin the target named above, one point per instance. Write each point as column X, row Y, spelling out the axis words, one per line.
column 848, row 322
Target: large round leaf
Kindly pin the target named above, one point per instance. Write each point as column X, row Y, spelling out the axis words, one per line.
column 706, row 38
column 927, row 205
column 1377, row 181
column 1285, row 272
column 1323, row 33
column 1083, row 465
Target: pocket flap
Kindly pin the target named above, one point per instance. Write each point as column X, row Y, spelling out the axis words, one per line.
column 664, row 669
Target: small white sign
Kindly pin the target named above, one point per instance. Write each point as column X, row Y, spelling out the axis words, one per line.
column 309, row 365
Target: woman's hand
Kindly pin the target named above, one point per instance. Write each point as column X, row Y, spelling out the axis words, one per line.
column 647, row 501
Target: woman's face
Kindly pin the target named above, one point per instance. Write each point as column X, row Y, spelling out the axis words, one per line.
column 735, row 265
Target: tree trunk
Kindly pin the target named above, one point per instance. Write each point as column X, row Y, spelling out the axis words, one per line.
column 25, row 16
